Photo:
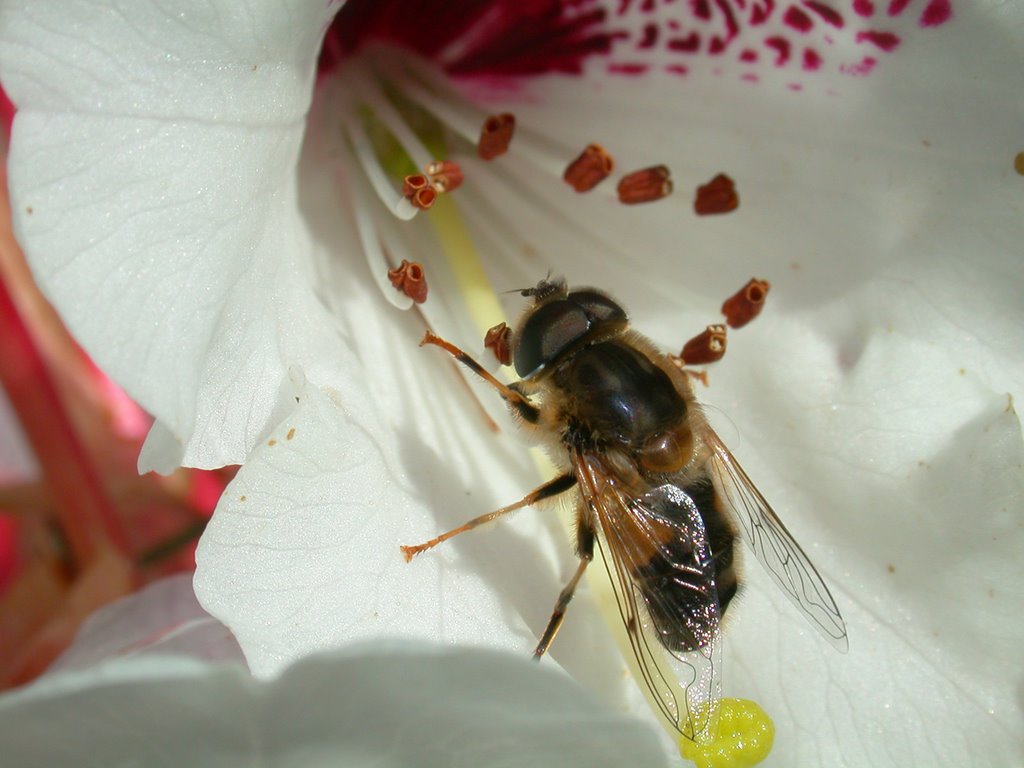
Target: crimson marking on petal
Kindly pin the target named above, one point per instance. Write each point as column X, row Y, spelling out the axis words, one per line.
column 628, row 68
column 937, row 12
column 750, row 77
column 861, row 68
column 748, row 55
column 650, row 38
column 887, row 41
column 593, row 166
column 759, row 14
column 688, row 44
column 732, row 26
column 797, row 19
column 645, row 185
column 812, row 61
column 496, row 135
column 781, row 47
column 676, row 69
column 896, row 7
column 716, row 46
column 505, row 37
column 863, row 7
column 829, row 14
column 701, row 9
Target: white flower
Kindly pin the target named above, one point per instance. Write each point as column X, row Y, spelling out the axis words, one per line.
column 153, row 173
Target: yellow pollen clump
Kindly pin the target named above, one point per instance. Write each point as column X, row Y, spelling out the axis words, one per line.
column 743, row 737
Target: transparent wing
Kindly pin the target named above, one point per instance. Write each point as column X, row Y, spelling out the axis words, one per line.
column 660, row 567
column 774, row 546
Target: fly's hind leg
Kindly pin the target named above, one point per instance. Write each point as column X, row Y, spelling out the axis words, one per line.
column 551, row 488
column 585, row 546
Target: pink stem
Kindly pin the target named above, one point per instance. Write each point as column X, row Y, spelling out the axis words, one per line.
column 87, row 516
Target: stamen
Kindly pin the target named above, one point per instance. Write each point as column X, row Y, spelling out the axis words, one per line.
column 746, row 304
column 588, row 170
column 496, row 135
column 706, row 347
column 645, row 186
column 362, row 148
column 445, row 175
column 717, row 196
column 408, row 277
column 497, row 340
column 370, row 240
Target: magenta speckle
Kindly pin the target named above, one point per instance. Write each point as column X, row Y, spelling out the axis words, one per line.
column 937, row 12
column 688, row 44
column 887, row 41
column 701, row 9
column 896, row 7
column 797, row 19
column 748, row 55
column 627, row 68
column 861, row 68
column 781, row 47
column 863, row 7
column 749, row 77
column 650, row 37
column 676, row 69
column 758, row 16
column 716, row 46
column 812, row 61
column 648, row 6
column 827, row 12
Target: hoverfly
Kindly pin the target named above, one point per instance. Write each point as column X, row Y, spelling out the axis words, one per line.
column 657, row 491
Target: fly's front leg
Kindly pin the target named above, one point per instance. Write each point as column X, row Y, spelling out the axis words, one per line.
column 516, row 400
column 585, row 546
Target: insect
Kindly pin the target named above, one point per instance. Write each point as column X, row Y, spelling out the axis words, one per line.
column 657, row 491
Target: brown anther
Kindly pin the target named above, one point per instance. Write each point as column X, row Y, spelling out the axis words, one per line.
column 645, row 186
column 413, row 184
column 717, row 196
column 746, row 304
column 496, row 135
column 424, row 198
column 706, row 347
column 496, row 340
column 593, row 166
column 445, row 175
column 408, row 278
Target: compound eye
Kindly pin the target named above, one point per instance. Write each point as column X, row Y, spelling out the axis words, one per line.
column 549, row 331
column 598, row 307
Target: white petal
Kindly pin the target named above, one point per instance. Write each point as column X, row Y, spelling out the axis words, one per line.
column 163, row 618
column 400, row 705
column 153, row 186
column 870, row 400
